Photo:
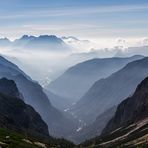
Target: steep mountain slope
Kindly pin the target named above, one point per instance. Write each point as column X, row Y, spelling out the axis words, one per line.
column 33, row 95
column 94, row 129
column 132, row 109
column 79, row 78
column 129, row 126
column 16, row 115
column 108, row 92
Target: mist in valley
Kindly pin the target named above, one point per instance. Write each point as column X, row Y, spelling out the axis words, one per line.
column 46, row 64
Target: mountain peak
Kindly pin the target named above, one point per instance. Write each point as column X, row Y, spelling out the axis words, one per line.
column 5, row 42
column 48, row 36
column 26, row 37
column 4, row 39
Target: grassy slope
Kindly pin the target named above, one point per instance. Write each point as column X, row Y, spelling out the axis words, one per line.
column 15, row 140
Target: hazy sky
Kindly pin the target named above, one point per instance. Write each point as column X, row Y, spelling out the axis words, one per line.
column 89, row 19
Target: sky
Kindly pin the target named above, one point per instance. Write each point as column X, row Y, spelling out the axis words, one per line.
column 85, row 19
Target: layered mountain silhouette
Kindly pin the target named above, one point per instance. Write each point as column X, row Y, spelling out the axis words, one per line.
column 49, row 42
column 44, row 42
column 85, row 100
column 129, row 126
column 33, row 95
column 110, row 91
column 16, row 115
column 74, row 83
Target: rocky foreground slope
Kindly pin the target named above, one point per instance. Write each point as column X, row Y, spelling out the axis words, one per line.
column 129, row 126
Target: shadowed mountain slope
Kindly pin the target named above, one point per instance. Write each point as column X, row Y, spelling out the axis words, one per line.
column 16, row 115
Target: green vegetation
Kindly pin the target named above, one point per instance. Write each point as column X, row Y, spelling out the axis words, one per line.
column 13, row 139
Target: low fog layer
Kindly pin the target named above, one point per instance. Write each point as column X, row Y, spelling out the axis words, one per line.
column 45, row 63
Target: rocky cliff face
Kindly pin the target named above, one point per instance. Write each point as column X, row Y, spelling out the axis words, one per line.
column 132, row 109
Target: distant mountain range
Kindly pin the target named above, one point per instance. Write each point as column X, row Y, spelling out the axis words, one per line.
column 129, row 126
column 74, row 83
column 82, row 48
column 44, row 42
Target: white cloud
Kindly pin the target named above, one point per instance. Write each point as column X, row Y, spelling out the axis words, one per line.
column 145, row 41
